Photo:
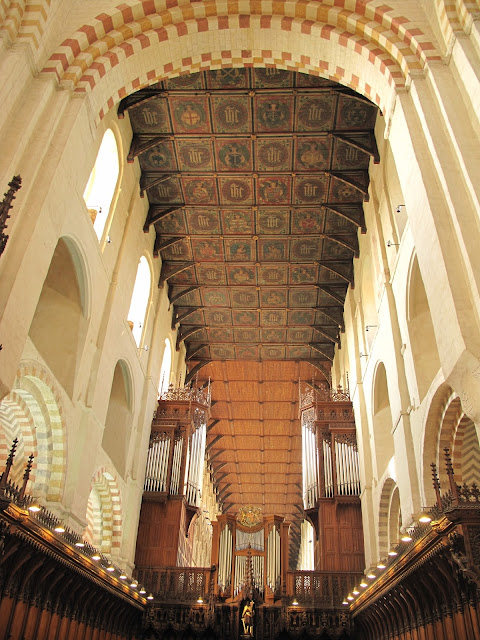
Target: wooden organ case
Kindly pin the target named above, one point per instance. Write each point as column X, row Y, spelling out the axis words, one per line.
column 331, row 478
column 173, row 479
column 251, row 556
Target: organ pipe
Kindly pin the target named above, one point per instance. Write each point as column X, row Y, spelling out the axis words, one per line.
column 177, row 461
column 225, row 559
column 157, row 465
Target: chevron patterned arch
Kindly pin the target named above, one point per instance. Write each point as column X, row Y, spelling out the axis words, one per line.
column 389, row 515
column 32, row 413
column 447, row 426
column 104, row 513
column 380, row 44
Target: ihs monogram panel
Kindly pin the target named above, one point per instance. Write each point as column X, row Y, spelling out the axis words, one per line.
column 255, row 180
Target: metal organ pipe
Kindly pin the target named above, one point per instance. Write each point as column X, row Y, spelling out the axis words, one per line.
column 177, row 458
column 225, row 559
column 157, row 465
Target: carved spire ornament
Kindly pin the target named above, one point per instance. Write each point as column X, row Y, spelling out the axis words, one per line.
column 5, row 207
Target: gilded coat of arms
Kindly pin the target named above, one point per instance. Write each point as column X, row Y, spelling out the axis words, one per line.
column 249, row 516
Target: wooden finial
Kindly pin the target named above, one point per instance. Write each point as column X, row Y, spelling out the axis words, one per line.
column 436, row 484
column 5, row 207
column 450, row 473
column 26, row 477
column 8, row 466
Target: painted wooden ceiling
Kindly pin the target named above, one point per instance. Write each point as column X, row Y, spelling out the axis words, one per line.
column 255, row 180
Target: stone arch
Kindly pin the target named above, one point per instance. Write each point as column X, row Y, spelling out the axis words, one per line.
column 104, row 513
column 118, row 422
column 383, row 46
column 455, row 16
column 458, row 433
column 389, row 516
column 447, row 426
column 382, row 420
column 59, row 325
column 33, row 413
column 425, row 355
column 431, row 448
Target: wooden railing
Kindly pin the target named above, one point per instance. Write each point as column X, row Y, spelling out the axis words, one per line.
column 188, row 584
column 180, row 584
column 320, row 587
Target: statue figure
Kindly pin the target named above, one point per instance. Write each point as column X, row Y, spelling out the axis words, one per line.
column 247, row 618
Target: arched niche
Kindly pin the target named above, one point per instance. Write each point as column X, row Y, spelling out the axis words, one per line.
column 101, row 186
column 448, row 427
column 458, row 434
column 140, row 298
column 420, row 329
column 32, row 413
column 389, row 517
column 59, row 325
column 118, row 423
column 382, row 421
column 104, row 513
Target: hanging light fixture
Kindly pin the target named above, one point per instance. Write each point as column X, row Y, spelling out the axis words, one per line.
column 424, row 518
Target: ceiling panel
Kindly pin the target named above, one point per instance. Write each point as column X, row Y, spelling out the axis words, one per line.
column 255, row 180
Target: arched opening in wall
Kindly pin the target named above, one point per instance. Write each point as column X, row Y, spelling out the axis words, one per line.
column 394, row 519
column 457, row 432
column 389, row 517
column 438, row 414
column 166, row 368
column 425, row 356
column 100, row 189
column 306, row 556
column 104, row 513
column 31, row 413
column 59, row 324
column 116, row 435
column 140, row 298
column 382, row 421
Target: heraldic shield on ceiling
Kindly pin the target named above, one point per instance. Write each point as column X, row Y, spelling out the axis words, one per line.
column 255, row 180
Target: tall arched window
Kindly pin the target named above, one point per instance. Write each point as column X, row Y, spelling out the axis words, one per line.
column 166, row 368
column 422, row 336
column 118, row 423
column 98, row 194
column 382, row 421
column 140, row 297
